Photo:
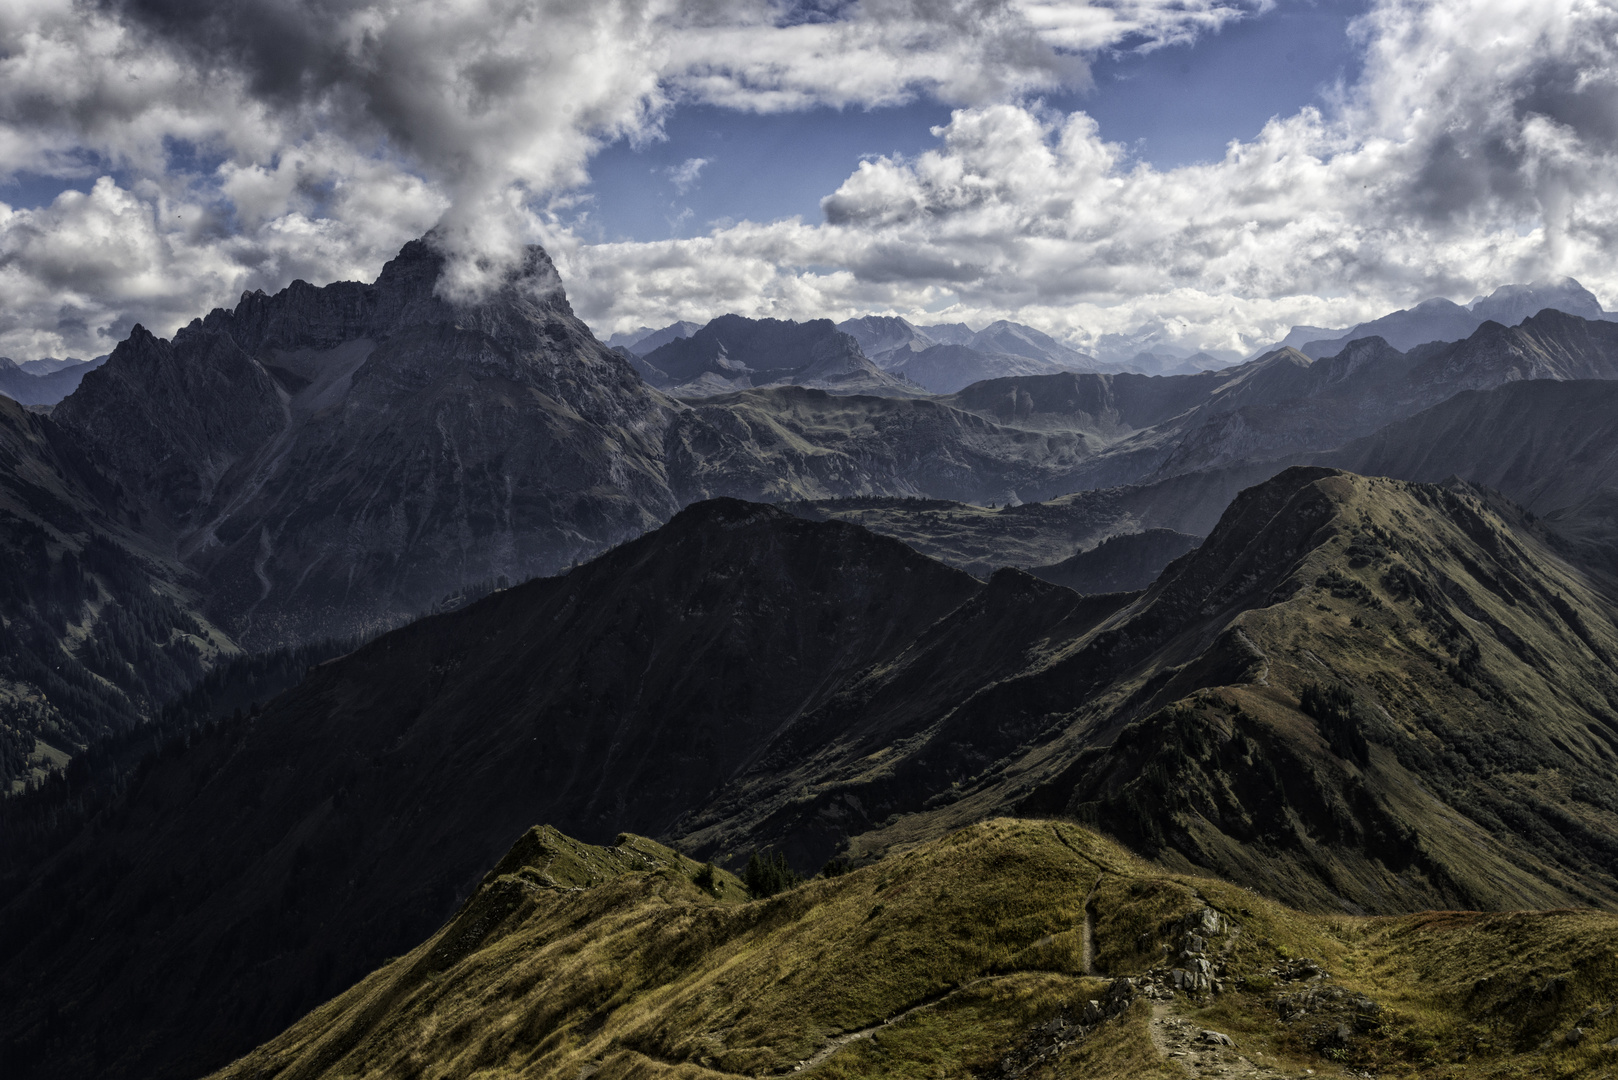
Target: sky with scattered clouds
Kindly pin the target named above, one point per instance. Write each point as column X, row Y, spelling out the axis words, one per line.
column 1206, row 171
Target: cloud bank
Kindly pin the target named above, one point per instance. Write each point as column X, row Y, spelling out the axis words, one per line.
column 240, row 146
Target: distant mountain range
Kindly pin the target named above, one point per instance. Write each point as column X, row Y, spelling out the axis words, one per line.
column 43, row 382
column 332, row 461
column 733, row 353
column 948, row 357
column 1444, row 320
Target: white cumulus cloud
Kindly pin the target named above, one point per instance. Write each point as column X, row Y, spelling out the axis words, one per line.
column 1477, row 149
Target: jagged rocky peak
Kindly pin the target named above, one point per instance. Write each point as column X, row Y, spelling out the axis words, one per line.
column 406, row 293
column 369, row 400
column 174, row 416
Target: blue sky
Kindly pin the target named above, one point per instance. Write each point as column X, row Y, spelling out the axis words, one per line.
column 1172, row 106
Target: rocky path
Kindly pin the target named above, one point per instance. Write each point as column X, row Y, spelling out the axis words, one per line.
column 1201, row 1053
column 1207, row 1054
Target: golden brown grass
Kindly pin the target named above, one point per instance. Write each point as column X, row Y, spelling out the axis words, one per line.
column 639, row 973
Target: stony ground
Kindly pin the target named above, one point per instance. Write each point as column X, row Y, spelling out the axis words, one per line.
column 1204, row 1053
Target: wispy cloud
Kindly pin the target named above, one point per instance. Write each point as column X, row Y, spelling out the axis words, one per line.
column 684, row 175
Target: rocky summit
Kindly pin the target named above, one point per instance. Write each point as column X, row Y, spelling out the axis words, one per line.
column 334, row 459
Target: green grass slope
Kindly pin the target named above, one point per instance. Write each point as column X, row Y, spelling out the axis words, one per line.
column 1357, row 694
column 1009, row 948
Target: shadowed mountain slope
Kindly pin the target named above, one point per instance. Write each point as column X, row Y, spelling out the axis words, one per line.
column 42, row 382
column 1122, row 563
column 797, row 443
column 981, row 539
column 332, row 461
column 1546, row 444
column 347, row 820
column 733, row 353
column 1444, row 320
column 1469, row 657
column 1551, row 446
column 1284, row 404
column 946, row 369
column 97, row 630
column 1431, row 320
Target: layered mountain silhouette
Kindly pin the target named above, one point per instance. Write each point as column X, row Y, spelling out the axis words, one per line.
column 43, row 382
column 332, row 461
column 1342, row 689
column 643, row 340
column 948, row 357
column 1344, row 698
column 1285, row 403
column 1444, row 320
column 732, row 353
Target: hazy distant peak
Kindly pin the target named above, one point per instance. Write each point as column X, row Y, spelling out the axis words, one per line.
column 1511, row 304
column 1016, row 339
column 644, row 340
column 949, row 333
column 623, row 339
column 879, row 334
column 47, row 365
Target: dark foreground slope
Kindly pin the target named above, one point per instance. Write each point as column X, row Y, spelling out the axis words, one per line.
column 1356, row 694
column 268, row 866
column 1009, row 949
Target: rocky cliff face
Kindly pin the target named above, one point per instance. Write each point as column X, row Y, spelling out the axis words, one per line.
column 334, row 459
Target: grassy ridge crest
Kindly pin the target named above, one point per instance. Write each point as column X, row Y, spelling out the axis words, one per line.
column 955, row 958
